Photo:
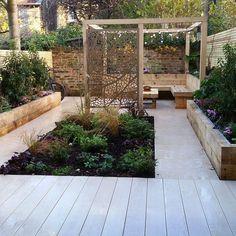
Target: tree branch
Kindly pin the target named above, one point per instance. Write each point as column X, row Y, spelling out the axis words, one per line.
column 3, row 4
column 3, row 32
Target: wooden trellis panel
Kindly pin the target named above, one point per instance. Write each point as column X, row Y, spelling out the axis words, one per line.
column 112, row 67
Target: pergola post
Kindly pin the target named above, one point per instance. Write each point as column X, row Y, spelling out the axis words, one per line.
column 85, row 47
column 187, row 51
column 140, row 66
column 203, row 50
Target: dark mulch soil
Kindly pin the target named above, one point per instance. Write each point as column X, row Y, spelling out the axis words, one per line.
column 116, row 147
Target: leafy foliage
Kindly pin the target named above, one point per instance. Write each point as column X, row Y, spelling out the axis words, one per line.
column 107, row 163
column 59, row 152
column 69, row 131
column 45, row 41
column 96, row 143
column 36, row 168
column 89, row 160
column 4, row 105
column 134, row 128
column 101, row 162
column 221, row 85
column 22, row 74
column 138, row 161
column 222, row 16
column 158, row 40
column 62, row 171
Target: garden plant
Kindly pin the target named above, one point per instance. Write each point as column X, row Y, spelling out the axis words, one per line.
column 23, row 78
column 103, row 143
column 217, row 96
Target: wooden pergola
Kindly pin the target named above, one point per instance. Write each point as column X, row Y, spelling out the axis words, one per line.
column 192, row 23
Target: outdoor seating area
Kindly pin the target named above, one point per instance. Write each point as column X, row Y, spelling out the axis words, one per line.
column 117, row 118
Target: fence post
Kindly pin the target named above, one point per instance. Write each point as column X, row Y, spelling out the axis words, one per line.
column 187, row 51
column 85, row 48
column 203, row 51
column 140, row 66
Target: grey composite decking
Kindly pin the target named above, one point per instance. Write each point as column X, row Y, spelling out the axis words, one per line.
column 47, row 205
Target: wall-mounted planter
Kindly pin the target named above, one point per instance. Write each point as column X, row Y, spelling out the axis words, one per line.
column 221, row 153
column 17, row 117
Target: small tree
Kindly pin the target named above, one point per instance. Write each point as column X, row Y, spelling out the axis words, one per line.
column 88, row 9
column 12, row 13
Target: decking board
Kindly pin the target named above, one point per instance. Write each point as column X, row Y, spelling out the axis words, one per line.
column 46, row 205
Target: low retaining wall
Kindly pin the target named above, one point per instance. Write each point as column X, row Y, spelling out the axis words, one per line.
column 17, row 117
column 221, row 153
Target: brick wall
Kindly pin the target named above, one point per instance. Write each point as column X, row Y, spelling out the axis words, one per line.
column 164, row 61
column 68, row 69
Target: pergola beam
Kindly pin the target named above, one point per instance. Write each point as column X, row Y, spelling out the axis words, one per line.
column 146, row 21
column 174, row 30
column 190, row 28
column 96, row 27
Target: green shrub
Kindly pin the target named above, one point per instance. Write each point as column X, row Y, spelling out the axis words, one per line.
column 133, row 127
column 88, row 160
column 4, row 105
column 59, row 152
column 139, row 161
column 22, row 74
column 62, row 171
column 107, row 164
column 221, row 85
column 70, row 131
column 38, row 168
column 101, row 162
column 39, row 41
column 96, row 143
column 208, row 88
column 166, row 39
column 46, row 41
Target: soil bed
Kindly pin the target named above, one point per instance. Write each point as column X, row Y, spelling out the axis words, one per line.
column 78, row 162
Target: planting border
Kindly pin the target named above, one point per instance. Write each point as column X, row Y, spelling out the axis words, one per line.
column 221, row 153
column 19, row 116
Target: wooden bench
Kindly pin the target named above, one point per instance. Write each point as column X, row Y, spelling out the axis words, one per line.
column 180, row 92
column 151, row 95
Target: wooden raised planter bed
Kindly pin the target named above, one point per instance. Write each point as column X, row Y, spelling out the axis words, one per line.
column 17, row 117
column 221, row 153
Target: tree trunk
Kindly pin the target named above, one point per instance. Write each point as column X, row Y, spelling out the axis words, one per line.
column 13, row 23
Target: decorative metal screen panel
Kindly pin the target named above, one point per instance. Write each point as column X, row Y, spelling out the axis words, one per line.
column 112, row 67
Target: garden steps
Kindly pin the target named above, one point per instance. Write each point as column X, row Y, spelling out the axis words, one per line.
column 119, row 206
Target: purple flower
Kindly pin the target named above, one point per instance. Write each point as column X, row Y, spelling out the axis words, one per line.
column 146, row 70
column 212, row 114
column 228, row 131
column 199, row 102
column 45, row 93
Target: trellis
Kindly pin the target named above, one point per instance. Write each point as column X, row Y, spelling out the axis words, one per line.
column 113, row 74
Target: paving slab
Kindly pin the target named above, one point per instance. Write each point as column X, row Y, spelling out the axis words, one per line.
column 178, row 151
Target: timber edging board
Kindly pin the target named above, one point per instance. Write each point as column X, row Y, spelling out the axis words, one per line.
column 19, row 116
column 220, row 152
